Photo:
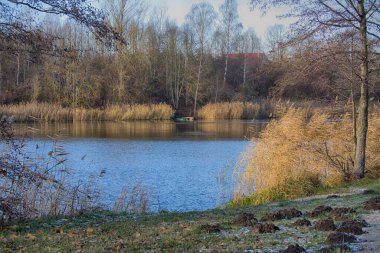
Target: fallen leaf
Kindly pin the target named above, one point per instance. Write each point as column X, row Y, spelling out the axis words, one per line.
column 118, row 246
column 89, row 230
column 59, row 231
column 13, row 236
column 12, row 228
column 30, row 236
column 71, row 234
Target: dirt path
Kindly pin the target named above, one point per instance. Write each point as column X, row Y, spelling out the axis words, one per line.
column 350, row 193
column 372, row 237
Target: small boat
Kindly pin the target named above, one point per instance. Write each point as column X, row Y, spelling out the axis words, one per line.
column 183, row 119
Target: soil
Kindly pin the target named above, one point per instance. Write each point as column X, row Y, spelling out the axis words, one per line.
column 282, row 214
column 246, row 220
column 319, row 210
column 372, row 204
column 302, row 223
column 211, row 228
column 293, row 249
column 341, row 212
column 265, row 228
column 340, row 238
column 351, row 229
column 325, row 225
column 369, row 191
column 361, row 224
column 333, row 196
column 334, row 249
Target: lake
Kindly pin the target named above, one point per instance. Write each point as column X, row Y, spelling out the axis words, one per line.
column 177, row 163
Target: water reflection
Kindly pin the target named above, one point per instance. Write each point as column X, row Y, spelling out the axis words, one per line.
column 200, row 130
column 178, row 162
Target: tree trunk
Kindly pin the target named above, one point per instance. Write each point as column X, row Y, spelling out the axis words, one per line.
column 354, row 109
column 245, row 70
column 18, row 69
column 217, row 88
column 354, row 119
column 197, row 87
column 225, row 71
column 362, row 121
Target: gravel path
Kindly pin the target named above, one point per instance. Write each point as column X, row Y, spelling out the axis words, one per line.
column 372, row 237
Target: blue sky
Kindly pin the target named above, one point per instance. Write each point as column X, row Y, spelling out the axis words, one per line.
column 177, row 9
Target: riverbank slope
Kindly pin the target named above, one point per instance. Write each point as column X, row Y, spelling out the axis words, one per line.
column 269, row 227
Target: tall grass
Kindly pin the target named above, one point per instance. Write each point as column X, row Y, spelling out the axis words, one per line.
column 55, row 113
column 235, row 110
column 266, row 109
column 301, row 152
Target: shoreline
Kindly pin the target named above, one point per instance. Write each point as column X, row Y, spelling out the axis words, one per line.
column 217, row 230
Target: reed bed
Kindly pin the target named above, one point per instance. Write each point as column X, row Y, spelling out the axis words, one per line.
column 266, row 109
column 301, row 152
column 30, row 112
column 235, row 111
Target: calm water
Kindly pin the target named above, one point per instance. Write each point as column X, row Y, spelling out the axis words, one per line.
column 177, row 163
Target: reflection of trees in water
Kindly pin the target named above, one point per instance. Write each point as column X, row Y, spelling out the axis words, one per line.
column 145, row 130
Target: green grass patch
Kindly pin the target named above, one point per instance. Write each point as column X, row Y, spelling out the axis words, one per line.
column 176, row 232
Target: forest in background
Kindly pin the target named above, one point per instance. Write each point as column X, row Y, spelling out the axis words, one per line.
column 207, row 59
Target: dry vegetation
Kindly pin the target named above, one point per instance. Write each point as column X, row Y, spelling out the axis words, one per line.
column 56, row 113
column 34, row 185
column 235, row 110
column 301, row 152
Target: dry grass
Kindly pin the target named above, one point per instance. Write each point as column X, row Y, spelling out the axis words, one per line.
column 235, row 111
column 266, row 109
column 302, row 151
column 56, row 113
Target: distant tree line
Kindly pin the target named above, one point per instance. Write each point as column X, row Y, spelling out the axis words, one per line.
column 70, row 53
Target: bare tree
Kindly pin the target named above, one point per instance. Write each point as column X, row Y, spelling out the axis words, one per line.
column 201, row 19
column 327, row 17
column 229, row 25
column 275, row 38
column 251, row 44
column 123, row 16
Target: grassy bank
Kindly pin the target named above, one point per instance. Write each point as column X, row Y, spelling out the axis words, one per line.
column 209, row 231
column 44, row 112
